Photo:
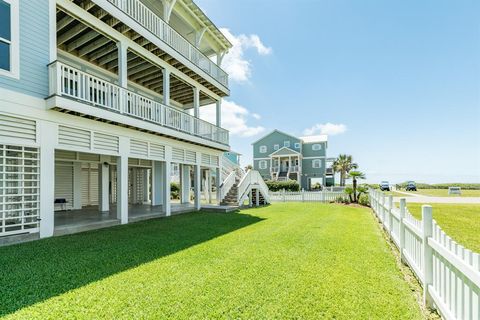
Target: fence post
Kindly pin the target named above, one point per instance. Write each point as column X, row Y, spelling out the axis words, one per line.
column 427, row 224
column 402, row 227
column 283, row 190
column 382, row 209
column 303, row 195
column 390, row 214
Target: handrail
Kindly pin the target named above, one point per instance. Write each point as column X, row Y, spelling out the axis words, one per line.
column 162, row 30
column 74, row 83
column 227, row 185
column 252, row 177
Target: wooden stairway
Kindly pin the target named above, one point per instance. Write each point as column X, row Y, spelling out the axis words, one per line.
column 231, row 199
column 261, row 198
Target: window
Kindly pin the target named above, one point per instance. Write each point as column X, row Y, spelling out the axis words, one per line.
column 286, row 144
column 9, row 53
column 276, row 146
column 316, row 163
column 316, row 147
column 262, row 164
column 263, row 149
column 297, row 145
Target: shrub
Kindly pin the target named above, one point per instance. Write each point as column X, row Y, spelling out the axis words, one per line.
column 175, row 190
column 364, row 200
column 342, row 199
column 290, row 185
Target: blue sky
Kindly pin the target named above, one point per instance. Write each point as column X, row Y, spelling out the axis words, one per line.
column 403, row 77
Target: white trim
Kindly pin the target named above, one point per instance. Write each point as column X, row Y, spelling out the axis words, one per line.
column 14, row 42
column 262, row 149
column 286, row 143
column 297, row 145
column 276, row 146
column 319, row 157
column 262, row 164
column 261, row 158
column 274, row 132
column 273, row 154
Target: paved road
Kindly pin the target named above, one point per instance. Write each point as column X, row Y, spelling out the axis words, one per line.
column 426, row 199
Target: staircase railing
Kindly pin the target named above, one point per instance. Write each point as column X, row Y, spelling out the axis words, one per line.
column 252, row 179
column 227, row 185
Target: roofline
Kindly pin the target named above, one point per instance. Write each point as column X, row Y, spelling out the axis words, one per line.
column 276, row 130
column 287, row 149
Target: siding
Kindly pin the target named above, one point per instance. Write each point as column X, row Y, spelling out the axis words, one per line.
column 307, row 150
column 34, row 50
column 272, row 139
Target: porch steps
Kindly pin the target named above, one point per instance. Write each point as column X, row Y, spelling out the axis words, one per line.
column 231, row 199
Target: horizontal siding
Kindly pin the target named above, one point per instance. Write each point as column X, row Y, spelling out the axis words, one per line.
column 34, row 50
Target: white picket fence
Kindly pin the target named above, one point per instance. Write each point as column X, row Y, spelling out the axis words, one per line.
column 305, row 196
column 448, row 272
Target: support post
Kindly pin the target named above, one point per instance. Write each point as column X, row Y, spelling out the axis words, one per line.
column 166, row 178
column 48, row 135
column 196, row 102
column 166, row 87
column 77, row 185
column 185, row 183
column 103, row 186
column 122, row 180
column 197, row 186
column 427, row 226
column 257, row 198
column 209, row 185
column 122, row 64
column 218, row 183
column 219, row 113
column 402, row 227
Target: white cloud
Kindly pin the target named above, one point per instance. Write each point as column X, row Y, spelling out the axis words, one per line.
column 234, row 118
column 328, row 128
column 234, row 62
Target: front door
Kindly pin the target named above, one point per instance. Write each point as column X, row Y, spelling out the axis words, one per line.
column 285, row 165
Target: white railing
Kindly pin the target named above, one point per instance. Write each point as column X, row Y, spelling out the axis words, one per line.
column 252, row 180
column 227, row 185
column 305, row 196
column 448, row 272
column 294, row 169
column 228, row 166
column 162, row 30
column 73, row 83
column 274, row 169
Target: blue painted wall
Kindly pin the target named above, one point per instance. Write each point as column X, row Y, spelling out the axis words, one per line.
column 34, row 50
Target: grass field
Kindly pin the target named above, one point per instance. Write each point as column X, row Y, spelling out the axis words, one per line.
column 293, row 260
column 459, row 221
column 444, row 193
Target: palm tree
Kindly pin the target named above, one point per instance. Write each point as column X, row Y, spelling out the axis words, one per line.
column 344, row 164
column 355, row 175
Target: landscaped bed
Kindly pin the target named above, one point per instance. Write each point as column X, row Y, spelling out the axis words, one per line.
column 460, row 221
column 288, row 260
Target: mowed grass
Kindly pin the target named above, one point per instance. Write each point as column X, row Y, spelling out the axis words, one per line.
column 444, row 193
column 304, row 261
column 459, row 221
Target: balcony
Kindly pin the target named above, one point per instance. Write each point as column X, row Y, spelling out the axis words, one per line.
column 163, row 31
column 96, row 93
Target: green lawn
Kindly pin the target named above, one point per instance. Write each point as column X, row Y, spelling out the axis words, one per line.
column 444, row 193
column 459, row 221
column 303, row 261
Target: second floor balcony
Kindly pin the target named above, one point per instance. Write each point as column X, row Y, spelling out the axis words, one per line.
column 128, row 108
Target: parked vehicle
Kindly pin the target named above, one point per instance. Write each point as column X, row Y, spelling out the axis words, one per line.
column 384, row 186
column 411, row 186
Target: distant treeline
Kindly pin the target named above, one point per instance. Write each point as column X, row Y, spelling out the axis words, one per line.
column 464, row 186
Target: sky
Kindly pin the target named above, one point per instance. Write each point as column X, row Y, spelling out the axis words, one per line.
column 396, row 84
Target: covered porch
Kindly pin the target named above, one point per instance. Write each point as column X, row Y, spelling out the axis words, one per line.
column 285, row 164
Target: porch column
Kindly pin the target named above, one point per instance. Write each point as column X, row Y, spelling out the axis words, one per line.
column 146, row 185
column 185, row 183
column 122, row 64
column 167, row 177
column 157, row 194
column 77, row 185
column 166, row 87
column 196, row 102
column 122, row 180
column 103, row 186
column 134, row 193
column 219, row 113
column 218, row 182
column 198, row 186
column 209, row 185
column 48, row 136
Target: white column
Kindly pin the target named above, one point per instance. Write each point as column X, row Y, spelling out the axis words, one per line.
column 167, row 177
column 185, row 183
column 166, row 86
column 103, row 186
column 48, row 136
column 196, row 102
column 257, row 197
column 219, row 113
column 122, row 64
column 209, row 185
column 77, row 185
column 122, row 180
column 220, row 56
column 197, row 186
column 218, row 182
column 134, row 183
column 146, row 185
column 157, row 186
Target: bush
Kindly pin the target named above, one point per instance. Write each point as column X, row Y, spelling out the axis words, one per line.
column 342, row 199
column 290, row 185
column 175, row 190
column 364, row 200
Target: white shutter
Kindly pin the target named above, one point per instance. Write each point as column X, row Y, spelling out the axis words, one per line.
column 157, row 151
column 64, row 184
column 105, row 142
column 17, row 129
column 89, row 185
column 178, row 154
column 139, row 147
column 190, row 156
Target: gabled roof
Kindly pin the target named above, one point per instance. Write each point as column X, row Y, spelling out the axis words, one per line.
column 313, row 139
column 284, row 151
column 274, row 132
